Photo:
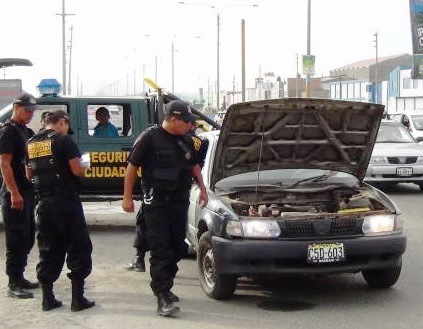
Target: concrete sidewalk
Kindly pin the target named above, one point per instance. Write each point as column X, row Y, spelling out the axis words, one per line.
column 105, row 214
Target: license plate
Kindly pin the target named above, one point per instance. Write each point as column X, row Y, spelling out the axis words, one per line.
column 325, row 253
column 404, row 172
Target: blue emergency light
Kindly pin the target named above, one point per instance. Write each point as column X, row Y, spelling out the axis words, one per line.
column 49, row 87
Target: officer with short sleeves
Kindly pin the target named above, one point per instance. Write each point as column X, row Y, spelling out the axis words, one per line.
column 55, row 164
column 169, row 164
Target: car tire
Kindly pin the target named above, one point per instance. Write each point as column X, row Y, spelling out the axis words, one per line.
column 382, row 278
column 215, row 285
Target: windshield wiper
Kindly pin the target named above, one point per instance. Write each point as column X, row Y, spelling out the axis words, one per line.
column 314, row 179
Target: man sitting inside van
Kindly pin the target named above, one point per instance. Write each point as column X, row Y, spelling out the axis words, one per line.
column 104, row 127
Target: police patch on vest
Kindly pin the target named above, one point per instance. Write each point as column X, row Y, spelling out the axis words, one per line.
column 39, row 149
column 197, row 143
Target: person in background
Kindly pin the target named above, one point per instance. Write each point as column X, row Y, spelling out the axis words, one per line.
column 17, row 196
column 167, row 156
column 104, row 128
column 54, row 165
column 43, row 121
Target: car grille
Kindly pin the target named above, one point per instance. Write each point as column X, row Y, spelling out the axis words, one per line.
column 402, row 160
column 318, row 228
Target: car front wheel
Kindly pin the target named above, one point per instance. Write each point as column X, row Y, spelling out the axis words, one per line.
column 382, row 278
column 215, row 285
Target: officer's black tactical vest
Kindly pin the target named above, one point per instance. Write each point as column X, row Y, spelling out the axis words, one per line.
column 45, row 168
column 170, row 168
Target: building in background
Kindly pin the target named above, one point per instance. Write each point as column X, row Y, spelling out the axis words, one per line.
column 9, row 90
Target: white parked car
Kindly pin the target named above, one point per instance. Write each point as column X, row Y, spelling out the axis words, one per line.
column 412, row 120
column 396, row 157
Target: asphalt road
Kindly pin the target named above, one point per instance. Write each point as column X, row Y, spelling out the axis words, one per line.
column 124, row 299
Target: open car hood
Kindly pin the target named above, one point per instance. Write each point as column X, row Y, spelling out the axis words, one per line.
column 296, row 133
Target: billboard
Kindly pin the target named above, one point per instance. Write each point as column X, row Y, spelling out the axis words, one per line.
column 308, row 64
column 416, row 20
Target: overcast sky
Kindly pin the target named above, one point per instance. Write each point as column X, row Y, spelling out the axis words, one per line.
column 114, row 40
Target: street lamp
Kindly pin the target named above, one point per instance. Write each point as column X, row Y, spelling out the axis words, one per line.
column 173, row 60
column 218, row 11
column 155, row 58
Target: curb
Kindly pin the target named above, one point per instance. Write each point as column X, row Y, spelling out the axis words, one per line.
column 101, row 227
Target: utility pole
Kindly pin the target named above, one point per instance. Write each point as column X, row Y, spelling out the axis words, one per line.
column 243, row 59
column 376, row 66
column 308, row 89
column 70, row 61
column 296, row 78
column 218, row 13
column 173, row 67
column 64, row 14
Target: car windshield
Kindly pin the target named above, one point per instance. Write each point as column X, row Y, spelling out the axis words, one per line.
column 284, row 178
column 393, row 134
column 417, row 121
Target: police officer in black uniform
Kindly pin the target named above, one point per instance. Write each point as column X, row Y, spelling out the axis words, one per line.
column 169, row 163
column 140, row 240
column 17, row 196
column 54, row 165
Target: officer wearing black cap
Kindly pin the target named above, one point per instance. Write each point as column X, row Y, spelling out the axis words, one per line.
column 169, row 164
column 140, row 241
column 55, row 164
column 17, row 196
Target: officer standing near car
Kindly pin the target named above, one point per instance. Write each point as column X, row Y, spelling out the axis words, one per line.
column 140, row 241
column 169, row 164
column 17, row 196
column 55, row 164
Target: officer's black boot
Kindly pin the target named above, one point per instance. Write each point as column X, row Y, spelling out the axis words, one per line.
column 172, row 297
column 165, row 306
column 49, row 300
column 16, row 291
column 137, row 265
column 79, row 302
column 26, row 284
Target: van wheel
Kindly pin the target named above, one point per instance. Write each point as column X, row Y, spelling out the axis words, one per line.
column 421, row 186
column 215, row 285
column 382, row 278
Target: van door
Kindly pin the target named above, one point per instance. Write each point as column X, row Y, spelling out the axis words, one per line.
column 109, row 151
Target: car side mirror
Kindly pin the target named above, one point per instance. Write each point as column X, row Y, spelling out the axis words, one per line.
column 419, row 139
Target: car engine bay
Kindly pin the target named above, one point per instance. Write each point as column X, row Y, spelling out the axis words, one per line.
column 301, row 202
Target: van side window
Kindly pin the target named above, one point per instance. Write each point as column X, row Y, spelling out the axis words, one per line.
column 108, row 121
column 36, row 123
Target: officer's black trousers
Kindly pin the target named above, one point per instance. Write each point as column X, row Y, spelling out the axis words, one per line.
column 140, row 241
column 19, row 228
column 165, row 222
column 62, row 234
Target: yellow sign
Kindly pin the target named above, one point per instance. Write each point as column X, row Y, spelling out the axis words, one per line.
column 39, row 149
column 108, row 165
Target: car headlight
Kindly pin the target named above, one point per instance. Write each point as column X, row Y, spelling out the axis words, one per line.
column 381, row 224
column 253, row 229
column 377, row 160
column 420, row 160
